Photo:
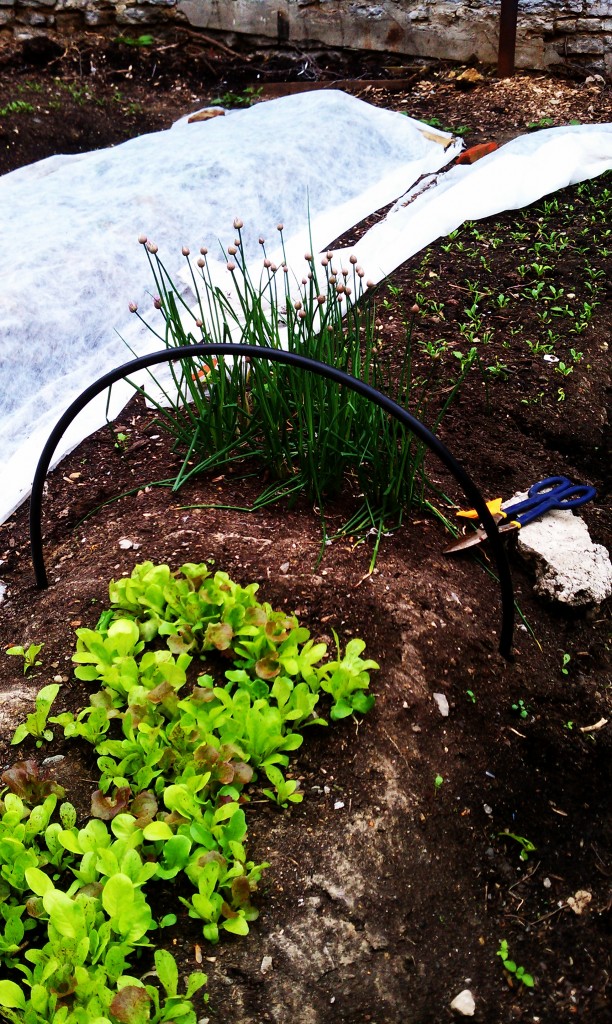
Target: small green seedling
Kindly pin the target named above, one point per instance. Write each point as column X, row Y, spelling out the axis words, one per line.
column 472, row 696
column 544, row 122
column 36, row 723
column 565, row 662
column 246, row 98
column 29, row 656
column 526, row 845
column 519, row 972
column 285, row 790
column 522, row 708
column 438, row 782
column 144, row 40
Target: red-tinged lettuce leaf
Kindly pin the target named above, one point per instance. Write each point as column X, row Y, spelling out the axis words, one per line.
column 219, row 634
column 241, row 890
column 144, row 807
column 206, row 754
column 243, row 773
column 267, row 668
column 131, row 1005
column 107, row 807
column 30, row 784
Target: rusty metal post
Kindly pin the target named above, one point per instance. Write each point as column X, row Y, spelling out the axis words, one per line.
column 507, row 38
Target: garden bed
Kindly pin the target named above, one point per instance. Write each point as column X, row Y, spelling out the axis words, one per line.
column 388, row 892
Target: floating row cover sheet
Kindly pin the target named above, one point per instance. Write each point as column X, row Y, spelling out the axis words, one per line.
column 318, row 162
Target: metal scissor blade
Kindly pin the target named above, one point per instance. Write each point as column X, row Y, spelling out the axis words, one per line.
column 472, row 539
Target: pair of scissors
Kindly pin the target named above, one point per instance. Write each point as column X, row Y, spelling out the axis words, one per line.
column 555, row 492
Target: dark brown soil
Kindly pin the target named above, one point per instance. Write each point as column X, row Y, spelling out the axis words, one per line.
column 385, row 896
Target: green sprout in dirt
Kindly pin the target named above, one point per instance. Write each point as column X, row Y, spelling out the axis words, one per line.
column 526, row 845
column 16, row 107
column 509, row 965
column 138, row 41
column 179, row 754
column 36, row 724
column 564, row 663
column 29, row 655
column 249, row 95
column 523, row 709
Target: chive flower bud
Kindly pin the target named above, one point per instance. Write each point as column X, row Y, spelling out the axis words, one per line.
column 142, row 239
column 201, row 263
column 133, row 307
column 279, row 227
column 151, row 246
column 231, row 266
column 232, row 250
column 204, row 251
column 238, row 223
column 185, row 251
column 353, row 260
column 157, row 302
column 415, row 308
column 267, row 264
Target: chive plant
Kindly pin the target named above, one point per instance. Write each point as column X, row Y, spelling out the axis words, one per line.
column 310, row 435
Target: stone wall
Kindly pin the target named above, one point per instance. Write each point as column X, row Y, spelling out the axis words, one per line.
column 575, row 32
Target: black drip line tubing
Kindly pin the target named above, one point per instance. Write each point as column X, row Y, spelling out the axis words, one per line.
column 409, row 421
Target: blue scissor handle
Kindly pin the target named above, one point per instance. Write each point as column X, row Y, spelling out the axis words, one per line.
column 555, row 492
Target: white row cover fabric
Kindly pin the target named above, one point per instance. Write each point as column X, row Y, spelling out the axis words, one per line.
column 318, row 162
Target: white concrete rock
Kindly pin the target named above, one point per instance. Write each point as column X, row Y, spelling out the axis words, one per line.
column 442, row 703
column 569, row 567
column 464, row 1003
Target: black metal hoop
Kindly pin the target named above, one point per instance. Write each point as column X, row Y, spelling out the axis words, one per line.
column 409, row 421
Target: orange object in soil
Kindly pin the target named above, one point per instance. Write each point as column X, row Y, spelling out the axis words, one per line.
column 474, row 153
